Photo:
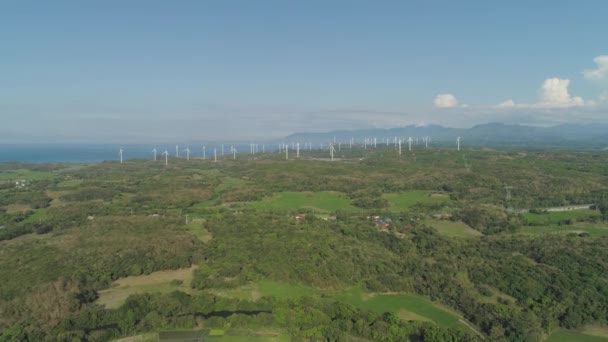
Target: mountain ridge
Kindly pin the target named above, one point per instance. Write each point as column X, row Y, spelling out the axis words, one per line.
column 493, row 134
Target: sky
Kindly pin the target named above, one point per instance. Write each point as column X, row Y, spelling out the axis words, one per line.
column 176, row 71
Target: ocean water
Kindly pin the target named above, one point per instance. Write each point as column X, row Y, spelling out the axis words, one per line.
column 90, row 153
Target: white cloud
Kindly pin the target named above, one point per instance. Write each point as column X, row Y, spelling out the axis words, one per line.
column 506, row 104
column 445, row 101
column 553, row 94
column 601, row 72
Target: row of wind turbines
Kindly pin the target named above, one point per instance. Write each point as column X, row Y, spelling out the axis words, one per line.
column 284, row 148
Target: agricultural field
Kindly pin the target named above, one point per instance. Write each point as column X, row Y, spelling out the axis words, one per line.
column 25, row 174
column 589, row 229
column 405, row 200
column 407, row 306
column 160, row 281
column 573, row 336
column 452, row 228
column 561, row 217
column 322, row 202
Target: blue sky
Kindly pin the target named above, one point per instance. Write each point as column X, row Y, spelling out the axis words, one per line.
column 139, row 71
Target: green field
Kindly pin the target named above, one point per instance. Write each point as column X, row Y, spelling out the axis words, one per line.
column 408, row 306
column 591, row 229
column 160, row 281
column 29, row 175
column 280, row 290
column 573, row 336
column 217, row 335
column 451, row 228
column 196, row 228
column 405, row 200
column 555, row 217
column 323, row 201
column 38, row 215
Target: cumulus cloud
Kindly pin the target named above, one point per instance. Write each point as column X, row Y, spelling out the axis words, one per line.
column 599, row 73
column 553, row 93
column 445, row 101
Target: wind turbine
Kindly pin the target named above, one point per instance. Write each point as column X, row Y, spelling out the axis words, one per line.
column 166, row 154
column 409, row 140
column 120, row 153
column 286, row 151
column 204, row 152
column 215, row 155
column 298, row 150
column 458, row 143
column 399, row 146
column 154, row 151
column 233, row 153
column 187, row 150
column 176, row 151
column 332, row 150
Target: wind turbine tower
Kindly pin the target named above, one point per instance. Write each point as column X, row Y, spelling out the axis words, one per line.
column 120, row 153
column 154, row 151
column 409, row 141
column 286, row 151
column 166, row 153
column 298, row 150
column 176, row 151
column 399, row 146
column 215, row 155
column 187, row 150
column 332, row 150
column 204, row 152
column 458, row 143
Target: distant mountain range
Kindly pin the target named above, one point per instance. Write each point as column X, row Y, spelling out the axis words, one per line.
column 566, row 136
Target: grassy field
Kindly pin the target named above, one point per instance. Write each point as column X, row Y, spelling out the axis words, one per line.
column 556, row 217
column 408, row 306
column 280, row 290
column 323, row 201
column 29, row 175
column 218, row 335
column 196, row 228
column 160, row 281
column 404, row 200
column 590, row 228
column 573, row 336
column 38, row 215
column 450, row 228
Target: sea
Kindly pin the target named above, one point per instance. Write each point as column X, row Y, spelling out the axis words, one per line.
column 95, row 153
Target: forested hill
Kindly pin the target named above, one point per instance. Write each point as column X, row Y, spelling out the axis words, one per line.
column 567, row 136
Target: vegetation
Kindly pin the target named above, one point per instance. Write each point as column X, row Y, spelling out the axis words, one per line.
column 380, row 247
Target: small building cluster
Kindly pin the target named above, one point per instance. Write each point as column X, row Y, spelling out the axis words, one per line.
column 20, row 184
